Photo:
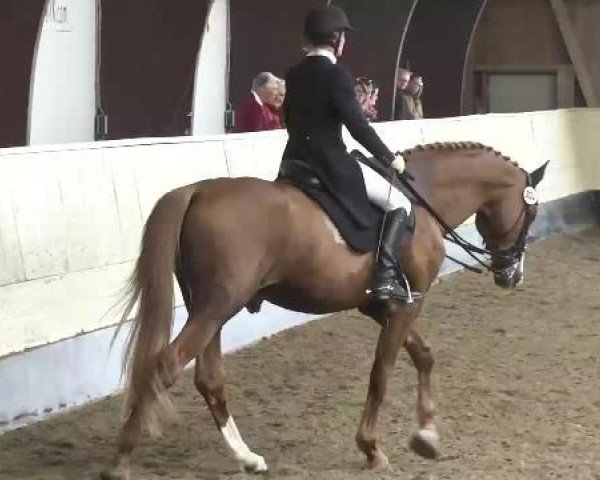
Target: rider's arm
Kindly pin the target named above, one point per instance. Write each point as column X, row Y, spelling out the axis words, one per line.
column 353, row 117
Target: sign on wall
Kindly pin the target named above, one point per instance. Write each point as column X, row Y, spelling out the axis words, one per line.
column 59, row 15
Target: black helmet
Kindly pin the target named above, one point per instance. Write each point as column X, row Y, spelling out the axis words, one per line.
column 322, row 22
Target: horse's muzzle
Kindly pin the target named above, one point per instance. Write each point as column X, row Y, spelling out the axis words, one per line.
column 511, row 275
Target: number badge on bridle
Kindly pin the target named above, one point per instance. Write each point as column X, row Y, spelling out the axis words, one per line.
column 530, row 195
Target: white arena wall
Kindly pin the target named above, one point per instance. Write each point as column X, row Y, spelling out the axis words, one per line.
column 71, row 217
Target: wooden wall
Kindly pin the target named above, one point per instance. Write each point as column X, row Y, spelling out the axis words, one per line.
column 585, row 20
column 532, row 33
column 519, row 32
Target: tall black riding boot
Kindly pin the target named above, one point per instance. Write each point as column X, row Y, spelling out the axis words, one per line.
column 388, row 281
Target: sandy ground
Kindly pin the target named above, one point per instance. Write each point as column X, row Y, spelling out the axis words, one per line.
column 516, row 380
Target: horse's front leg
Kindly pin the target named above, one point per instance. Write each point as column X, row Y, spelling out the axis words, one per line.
column 393, row 334
column 426, row 441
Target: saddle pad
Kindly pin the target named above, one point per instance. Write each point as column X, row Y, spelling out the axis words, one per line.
column 360, row 239
column 356, row 237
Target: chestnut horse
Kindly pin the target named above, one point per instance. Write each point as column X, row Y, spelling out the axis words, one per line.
column 233, row 243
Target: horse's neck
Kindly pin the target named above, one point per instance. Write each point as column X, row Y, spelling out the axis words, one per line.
column 460, row 185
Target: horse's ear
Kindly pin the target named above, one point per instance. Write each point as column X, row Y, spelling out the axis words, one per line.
column 538, row 174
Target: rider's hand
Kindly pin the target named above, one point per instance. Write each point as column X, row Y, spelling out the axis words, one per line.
column 399, row 164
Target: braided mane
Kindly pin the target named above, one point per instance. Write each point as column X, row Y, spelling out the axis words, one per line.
column 458, row 146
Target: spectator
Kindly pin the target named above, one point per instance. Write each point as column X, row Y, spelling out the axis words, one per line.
column 275, row 108
column 372, row 112
column 252, row 113
column 402, row 78
column 360, row 91
column 408, row 102
column 366, row 93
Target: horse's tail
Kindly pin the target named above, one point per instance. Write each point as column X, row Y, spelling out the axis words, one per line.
column 151, row 283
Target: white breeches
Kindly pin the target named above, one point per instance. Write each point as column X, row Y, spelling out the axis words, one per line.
column 381, row 193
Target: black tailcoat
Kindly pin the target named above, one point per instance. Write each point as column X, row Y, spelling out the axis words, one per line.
column 319, row 100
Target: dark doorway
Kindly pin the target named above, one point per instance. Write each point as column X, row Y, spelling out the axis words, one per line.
column 267, row 36
column 149, row 50
column 372, row 50
column 436, row 47
column 19, row 32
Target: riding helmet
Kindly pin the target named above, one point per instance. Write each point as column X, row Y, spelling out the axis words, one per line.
column 323, row 21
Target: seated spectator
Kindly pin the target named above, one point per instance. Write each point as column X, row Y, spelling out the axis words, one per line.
column 360, row 91
column 408, row 102
column 275, row 108
column 372, row 112
column 252, row 113
column 366, row 93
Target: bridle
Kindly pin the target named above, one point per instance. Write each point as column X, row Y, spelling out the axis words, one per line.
column 507, row 256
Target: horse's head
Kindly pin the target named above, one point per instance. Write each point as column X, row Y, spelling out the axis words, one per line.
column 504, row 222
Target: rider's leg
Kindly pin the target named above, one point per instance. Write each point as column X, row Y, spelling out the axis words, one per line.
column 398, row 226
column 381, row 193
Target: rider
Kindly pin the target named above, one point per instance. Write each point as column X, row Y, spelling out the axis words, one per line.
column 319, row 99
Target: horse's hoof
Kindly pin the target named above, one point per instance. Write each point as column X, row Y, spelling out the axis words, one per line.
column 426, row 443
column 379, row 462
column 253, row 463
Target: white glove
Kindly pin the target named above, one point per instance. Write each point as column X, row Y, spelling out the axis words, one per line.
column 399, row 164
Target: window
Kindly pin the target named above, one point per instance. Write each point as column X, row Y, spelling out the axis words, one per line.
column 522, row 88
column 521, row 92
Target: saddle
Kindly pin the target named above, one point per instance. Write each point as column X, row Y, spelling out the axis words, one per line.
column 358, row 238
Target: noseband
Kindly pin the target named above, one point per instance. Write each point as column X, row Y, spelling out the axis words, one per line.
column 529, row 210
column 519, row 246
column 507, row 256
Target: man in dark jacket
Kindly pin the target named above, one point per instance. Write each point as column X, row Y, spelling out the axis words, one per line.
column 319, row 100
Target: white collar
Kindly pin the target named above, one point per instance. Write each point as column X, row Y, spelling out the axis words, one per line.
column 257, row 98
column 322, row 52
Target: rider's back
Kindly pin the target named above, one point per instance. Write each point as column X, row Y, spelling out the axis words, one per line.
column 309, row 109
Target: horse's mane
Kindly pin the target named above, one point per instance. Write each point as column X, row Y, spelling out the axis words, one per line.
column 458, row 146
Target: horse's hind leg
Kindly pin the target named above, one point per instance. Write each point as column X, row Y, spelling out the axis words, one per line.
column 425, row 441
column 190, row 343
column 210, row 382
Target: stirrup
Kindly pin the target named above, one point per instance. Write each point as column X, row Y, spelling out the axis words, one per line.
column 393, row 290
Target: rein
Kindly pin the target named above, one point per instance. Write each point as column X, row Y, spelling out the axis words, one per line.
column 472, row 250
